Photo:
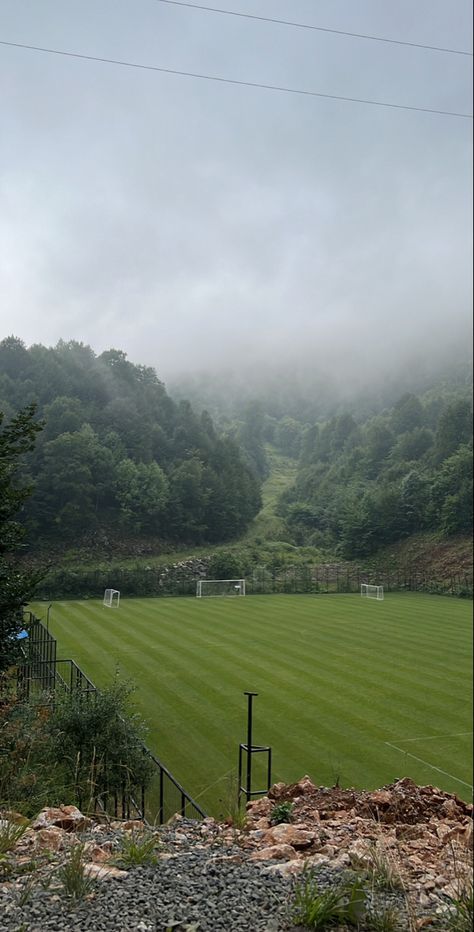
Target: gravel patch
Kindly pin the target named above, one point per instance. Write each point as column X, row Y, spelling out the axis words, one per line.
column 199, row 884
column 218, row 895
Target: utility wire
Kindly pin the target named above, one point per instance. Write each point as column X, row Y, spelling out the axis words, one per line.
column 234, row 81
column 296, row 25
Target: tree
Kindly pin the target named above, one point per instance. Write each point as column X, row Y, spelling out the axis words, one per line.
column 378, row 446
column 452, row 493
column 16, row 587
column 414, row 501
column 75, row 479
column 412, row 445
column 142, row 491
column 454, row 428
column 407, row 414
column 187, row 502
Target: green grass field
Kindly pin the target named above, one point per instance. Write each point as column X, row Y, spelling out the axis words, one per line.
column 350, row 690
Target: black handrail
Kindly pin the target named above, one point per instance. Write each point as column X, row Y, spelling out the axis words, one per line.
column 37, row 667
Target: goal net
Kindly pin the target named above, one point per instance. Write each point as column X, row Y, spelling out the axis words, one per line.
column 112, row 598
column 371, row 592
column 209, row 587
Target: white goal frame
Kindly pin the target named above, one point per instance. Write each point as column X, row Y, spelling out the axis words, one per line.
column 111, row 598
column 371, row 592
column 227, row 587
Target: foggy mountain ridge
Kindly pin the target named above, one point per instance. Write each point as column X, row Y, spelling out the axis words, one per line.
column 203, row 227
column 307, row 390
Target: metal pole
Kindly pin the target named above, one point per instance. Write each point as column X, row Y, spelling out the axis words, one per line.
column 249, row 744
column 47, row 618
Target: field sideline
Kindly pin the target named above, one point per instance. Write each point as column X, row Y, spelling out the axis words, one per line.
column 350, row 690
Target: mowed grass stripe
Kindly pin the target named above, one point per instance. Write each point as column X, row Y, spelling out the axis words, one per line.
column 221, row 633
column 300, row 662
column 337, row 677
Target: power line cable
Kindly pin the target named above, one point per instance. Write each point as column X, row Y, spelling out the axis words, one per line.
column 234, row 81
column 297, row 25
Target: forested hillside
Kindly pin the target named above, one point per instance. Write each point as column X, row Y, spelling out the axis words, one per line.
column 117, row 454
column 361, row 486
column 119, row 458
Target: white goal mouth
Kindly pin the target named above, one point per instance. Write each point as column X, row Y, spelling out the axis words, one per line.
column 371, row 592
column 111, row 598
column 220, row 587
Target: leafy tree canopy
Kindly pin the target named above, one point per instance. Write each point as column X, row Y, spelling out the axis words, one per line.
column 17, row 437
column 119, row 454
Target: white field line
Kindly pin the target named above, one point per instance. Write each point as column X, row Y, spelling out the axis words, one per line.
column 459, row 734
column 432, row 766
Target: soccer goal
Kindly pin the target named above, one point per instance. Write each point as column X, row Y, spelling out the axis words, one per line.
column 371, row 592
column 215, row 587
column 111, row 598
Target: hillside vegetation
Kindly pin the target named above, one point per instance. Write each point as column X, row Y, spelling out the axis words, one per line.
column 123, row 472
column 362, row 486
column 117, row 456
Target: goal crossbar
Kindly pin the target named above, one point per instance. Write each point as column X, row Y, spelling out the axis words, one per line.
column 220, row 587
column 112, row 598
column 371, row 592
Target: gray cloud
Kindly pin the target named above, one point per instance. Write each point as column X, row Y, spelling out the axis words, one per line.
column 197, row 225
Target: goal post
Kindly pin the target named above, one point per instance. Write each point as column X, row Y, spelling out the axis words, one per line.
column 111, row 598
column 371, row 592
column 220, row 587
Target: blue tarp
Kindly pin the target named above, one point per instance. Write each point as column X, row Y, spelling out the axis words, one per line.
column 21, row 635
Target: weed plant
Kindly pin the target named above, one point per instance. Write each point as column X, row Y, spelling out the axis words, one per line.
column 316, row 909
column 10, row 833
column 386, row 919
column 25, row 891
column 137, row 848
column 74, row 877
column 233, row 811
column 384, row 873
column 282, row 812
column 462, row 916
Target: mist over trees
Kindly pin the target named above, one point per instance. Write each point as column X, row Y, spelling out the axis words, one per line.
column 361, row 486
column 117, row 455
column 119, row 458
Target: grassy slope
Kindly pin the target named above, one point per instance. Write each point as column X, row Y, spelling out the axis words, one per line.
column 267, row 524
column 337, row 678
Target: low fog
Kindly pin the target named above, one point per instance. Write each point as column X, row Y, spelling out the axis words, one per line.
column 203, row 227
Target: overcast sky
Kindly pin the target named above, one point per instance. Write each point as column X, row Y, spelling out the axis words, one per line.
column 195, row 224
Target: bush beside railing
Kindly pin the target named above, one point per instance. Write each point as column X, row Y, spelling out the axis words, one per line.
column 43, row 672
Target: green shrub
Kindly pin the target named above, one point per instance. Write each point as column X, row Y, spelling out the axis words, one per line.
column 99, row 743
column 29, row 776
column 75, row 748
column 282, row 812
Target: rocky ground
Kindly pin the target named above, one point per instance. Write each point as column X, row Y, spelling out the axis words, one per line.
column 409, row 846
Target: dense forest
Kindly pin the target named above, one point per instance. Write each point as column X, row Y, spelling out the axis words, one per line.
column 118, row 457
column 363, row 486
column 117, row 454
column 367, row 481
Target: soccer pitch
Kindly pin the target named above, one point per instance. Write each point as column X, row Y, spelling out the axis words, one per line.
column 350, row 690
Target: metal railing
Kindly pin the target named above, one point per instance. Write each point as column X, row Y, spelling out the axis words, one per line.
column 272, row 578
column 42, row 671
